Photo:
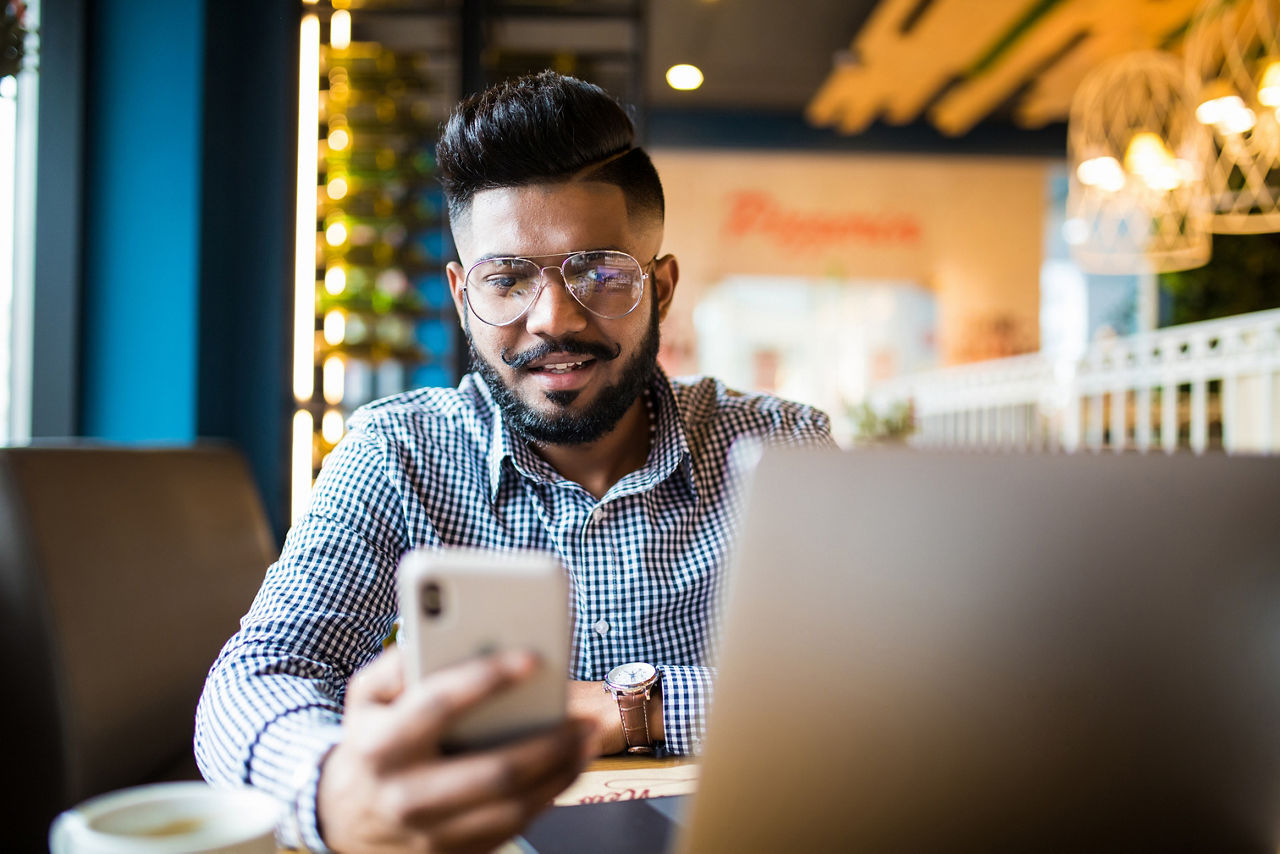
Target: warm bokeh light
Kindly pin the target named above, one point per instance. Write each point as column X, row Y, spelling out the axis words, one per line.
column 304, row 258
column 684, row 77
column 1151, row 160
column 1237, row 121
column 300, row 463
column 340, row 29
column 1223, row 108
column 334, row 380
column 1104, row 172
column 331, row 426
column 339, row 139
column 335, row 327
column 336, row 234
column 335, row 280
column 1269, row 86
column 337, row 188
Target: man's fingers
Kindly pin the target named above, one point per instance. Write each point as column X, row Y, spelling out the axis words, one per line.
column 465, row 782
column 488, row 825
column 426, row 708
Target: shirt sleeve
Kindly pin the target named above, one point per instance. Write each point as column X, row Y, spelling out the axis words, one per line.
column 686, row 700
column 687, row 690
column 272, row 705
column 809, row 427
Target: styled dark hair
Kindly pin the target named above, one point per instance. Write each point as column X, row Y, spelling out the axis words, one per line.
column 543, row 128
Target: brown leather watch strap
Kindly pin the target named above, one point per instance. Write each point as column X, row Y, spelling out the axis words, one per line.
column 634, row 710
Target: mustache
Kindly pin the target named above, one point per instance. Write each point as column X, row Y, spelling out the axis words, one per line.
column 567, row 345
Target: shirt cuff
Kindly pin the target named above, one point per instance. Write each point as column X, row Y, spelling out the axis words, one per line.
column 686, row 699
column 286, row 764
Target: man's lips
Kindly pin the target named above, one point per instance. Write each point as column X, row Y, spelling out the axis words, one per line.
column 561, row 373
column 560, row 364
column 564, row 354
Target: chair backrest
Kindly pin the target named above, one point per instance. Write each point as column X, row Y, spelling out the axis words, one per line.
column 122, row 572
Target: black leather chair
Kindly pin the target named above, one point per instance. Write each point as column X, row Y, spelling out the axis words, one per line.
column 122, row 572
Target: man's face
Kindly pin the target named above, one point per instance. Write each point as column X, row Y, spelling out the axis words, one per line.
column 561, row 374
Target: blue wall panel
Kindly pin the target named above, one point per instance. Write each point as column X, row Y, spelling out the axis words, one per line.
column 142, row 225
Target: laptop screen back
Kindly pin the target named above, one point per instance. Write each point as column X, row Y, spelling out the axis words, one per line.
column 928, row 651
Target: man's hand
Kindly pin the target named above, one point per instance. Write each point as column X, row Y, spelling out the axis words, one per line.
column 387, row 787
column 589, row 701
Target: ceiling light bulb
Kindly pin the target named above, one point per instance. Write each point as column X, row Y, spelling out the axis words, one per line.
column 684, row 77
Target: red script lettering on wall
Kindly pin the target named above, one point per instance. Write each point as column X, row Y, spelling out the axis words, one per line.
column 752, row 212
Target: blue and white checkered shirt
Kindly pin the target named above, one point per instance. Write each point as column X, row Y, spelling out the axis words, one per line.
column 436, row 467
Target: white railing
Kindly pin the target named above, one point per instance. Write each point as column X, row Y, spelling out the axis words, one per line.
column 1200, row 386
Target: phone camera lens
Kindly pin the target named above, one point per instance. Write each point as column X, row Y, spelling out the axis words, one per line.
column 431, row 601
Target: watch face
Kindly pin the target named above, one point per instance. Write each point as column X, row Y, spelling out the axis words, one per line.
column 636, row 673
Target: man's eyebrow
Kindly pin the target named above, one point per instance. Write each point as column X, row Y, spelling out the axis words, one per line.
column 490, row 256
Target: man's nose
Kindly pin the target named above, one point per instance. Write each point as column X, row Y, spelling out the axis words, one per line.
column 554, row 311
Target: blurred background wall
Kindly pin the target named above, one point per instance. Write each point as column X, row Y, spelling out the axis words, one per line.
column 857, row 191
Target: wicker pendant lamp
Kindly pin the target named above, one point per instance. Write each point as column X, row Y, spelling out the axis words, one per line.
column 1233, row 77
column 1136, row 202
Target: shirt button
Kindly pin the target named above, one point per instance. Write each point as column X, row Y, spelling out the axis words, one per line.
column 597, row 514
column 601, row 627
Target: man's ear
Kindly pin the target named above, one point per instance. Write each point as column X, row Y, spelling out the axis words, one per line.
column 457, row 281
column 666, row 273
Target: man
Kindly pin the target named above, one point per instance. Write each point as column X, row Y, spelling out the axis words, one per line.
column 566, row 437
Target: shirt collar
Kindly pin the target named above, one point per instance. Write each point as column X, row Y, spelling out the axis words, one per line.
column 670, row 446
column 670, row 451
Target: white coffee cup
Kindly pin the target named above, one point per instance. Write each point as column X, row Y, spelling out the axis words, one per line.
column 169, row 818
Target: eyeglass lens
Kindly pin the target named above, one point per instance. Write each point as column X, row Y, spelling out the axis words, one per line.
column 608, row 284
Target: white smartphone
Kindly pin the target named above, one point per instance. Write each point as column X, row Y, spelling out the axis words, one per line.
column 456, row 604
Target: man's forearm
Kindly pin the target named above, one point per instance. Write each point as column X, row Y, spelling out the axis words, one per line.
column 269, row 732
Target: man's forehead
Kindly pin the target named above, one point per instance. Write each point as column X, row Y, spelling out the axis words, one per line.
column 594, row 214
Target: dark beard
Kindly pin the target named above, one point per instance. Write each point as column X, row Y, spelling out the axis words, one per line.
column 567, row 428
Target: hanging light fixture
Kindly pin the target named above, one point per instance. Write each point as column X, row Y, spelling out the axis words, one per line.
column 1233, row 77
column 1136, row 202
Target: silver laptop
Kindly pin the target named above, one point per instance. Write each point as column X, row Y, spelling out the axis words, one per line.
column 936, row 652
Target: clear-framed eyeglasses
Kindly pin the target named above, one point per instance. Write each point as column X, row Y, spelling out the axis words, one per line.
column 606, row 282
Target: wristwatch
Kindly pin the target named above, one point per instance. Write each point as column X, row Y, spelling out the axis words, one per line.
column 632, row 685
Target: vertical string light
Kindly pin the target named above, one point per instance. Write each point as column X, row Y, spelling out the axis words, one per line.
column 304, row 292
column 300, row 491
